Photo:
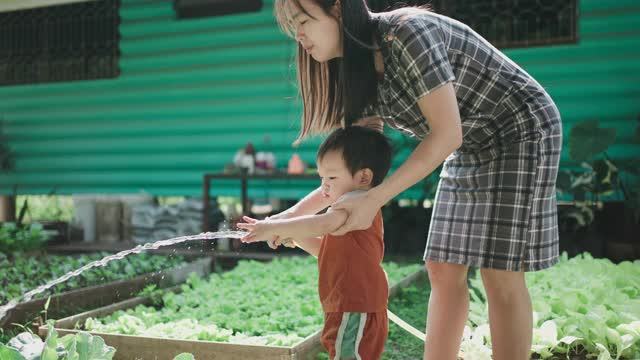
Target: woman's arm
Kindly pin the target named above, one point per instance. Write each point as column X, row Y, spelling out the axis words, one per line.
column 310, row 225
column 440, row 108
column 311, row 204
column 304, row 231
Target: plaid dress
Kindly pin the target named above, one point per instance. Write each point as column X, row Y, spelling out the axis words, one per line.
column 496, row 202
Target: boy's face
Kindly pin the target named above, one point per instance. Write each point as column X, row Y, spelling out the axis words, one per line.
column 336, row 178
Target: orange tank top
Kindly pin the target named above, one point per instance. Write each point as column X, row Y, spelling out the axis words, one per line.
column 351, row 274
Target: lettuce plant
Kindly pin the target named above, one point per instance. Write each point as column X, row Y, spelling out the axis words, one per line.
column 272, row 303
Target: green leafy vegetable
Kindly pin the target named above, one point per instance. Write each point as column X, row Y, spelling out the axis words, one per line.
column 19, row 274
column 81, row 346
column 272, row 303
column 581, row 302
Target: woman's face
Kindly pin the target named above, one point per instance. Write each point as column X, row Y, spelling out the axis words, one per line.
column 316, row 31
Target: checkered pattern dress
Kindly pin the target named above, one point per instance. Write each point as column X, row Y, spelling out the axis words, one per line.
column 496, row 202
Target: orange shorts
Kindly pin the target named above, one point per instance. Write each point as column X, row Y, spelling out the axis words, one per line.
column 360, row 336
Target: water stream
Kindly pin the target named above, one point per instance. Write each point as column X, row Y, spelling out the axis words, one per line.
column 102, row 262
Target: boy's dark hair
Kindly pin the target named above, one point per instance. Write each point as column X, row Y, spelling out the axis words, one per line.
column 361, row 148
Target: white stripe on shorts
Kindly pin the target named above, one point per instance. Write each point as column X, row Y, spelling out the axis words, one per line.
column 363, row 322
column 343, row 325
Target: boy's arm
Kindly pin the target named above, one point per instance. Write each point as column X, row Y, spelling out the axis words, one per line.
column 310, row 245
column 309, row 226
column 308, row 230
column 305, row 231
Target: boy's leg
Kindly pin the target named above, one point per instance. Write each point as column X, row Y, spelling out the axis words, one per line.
column 340, row 334
column 374, row 336
column 448, row 310
column 330, row 330
column 355, row 335
column 510, row 314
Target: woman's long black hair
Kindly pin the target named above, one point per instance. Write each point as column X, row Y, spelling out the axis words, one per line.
column 335, row 93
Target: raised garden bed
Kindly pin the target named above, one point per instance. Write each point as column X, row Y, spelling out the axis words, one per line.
column 306, row 346
column 101, row 295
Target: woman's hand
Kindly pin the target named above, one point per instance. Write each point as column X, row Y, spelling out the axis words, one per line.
column 277, row 241
column 361, row 207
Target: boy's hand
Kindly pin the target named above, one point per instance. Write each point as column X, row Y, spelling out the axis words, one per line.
column 264, row 229
column 288, row 242
column 259, row 230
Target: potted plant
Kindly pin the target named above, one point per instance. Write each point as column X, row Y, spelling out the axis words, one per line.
column 622, row 219
column 602, row 215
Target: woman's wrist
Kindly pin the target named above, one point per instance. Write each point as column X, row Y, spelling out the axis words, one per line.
column 282, row 215
column 378, row 195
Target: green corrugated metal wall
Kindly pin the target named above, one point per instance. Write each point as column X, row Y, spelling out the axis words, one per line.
column 599, row 77
column 192, row 92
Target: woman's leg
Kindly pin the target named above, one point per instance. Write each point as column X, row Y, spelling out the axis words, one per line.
column 510, row 314
column 448, row 310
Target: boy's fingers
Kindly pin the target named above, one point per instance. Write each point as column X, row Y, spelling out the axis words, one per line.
column 249, row 238
column 272, row 244
column 288, row 242
column 244, row 226
column 249, row 220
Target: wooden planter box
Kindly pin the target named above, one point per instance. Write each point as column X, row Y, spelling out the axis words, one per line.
column 102, row 295
column 153, row 348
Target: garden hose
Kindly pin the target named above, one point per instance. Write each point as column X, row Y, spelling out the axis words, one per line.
column 403, row 324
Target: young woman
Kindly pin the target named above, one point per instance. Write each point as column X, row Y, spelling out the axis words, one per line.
column 495, row 128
